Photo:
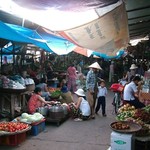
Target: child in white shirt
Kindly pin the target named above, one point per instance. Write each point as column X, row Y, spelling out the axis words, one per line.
column 102, row 92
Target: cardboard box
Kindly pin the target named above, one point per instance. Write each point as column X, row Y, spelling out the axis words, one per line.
column 120, row 141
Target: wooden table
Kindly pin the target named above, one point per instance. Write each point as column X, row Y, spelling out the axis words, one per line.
column 10, row 98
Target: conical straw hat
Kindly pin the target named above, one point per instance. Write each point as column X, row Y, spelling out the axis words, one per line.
column 95, row 65
column 133, row 66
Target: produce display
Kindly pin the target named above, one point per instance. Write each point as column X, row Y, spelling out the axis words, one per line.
column 13, row 126
column 126, row 107
column 28, row 118
column 55, row 94
column 147, row 108
column 128, row 111
column 142, row 115
column 125, row 111
column 120, row 126
column 138, row 116
column 52, row 89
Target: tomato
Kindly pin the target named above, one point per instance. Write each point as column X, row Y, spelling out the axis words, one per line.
column 13, row 126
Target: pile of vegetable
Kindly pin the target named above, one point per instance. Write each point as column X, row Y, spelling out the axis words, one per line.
column 13, row 126
column 55, row 94
column 147, row 108
column 28, row 118
column 52, row 89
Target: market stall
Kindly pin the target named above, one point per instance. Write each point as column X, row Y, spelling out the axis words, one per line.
column 145, row 98
column 144, row 94
column 13, row 100
column 13, row 95
column 132, row 128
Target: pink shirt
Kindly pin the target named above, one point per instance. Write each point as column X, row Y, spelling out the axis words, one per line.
column 72, row 72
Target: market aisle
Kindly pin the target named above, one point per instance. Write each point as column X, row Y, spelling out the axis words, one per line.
column 71, row 135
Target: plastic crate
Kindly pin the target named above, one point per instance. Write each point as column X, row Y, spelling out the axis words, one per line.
column 13, row 140
column 37, row 128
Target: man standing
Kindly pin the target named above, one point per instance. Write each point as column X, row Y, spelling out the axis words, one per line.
column 111, row 72
column 91, row 86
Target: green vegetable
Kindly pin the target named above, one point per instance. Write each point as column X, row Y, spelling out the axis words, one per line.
column 56, row 94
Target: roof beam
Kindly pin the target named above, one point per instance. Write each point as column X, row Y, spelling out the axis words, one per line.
column 140, row 22
column 138, row 17
column 140, row 8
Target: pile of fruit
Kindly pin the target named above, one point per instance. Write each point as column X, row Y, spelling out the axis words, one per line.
column 126, row 111
column 13, row 126
column 139, row 116
column 142, row 115
column 120, row 126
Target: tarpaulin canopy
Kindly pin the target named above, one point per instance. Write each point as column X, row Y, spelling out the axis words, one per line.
column 99, row 25
column 101, row 36
column 65, row 5
column 43, row 39
column 48, row 42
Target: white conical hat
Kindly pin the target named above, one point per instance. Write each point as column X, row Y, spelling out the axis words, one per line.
column 133, row 66
column 95, row 65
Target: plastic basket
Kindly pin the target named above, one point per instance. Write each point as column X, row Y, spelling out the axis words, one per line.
column 37, row 128
column 13, row 140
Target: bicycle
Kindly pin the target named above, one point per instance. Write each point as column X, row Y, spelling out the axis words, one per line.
column 117, row 88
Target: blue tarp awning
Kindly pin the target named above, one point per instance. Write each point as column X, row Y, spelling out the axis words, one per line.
column 46, row 41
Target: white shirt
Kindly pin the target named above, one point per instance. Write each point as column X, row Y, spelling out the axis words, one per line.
column 85, row 108
column 102, row 91
column 129, row 91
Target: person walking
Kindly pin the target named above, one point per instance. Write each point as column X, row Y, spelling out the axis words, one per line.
column 91, row 86
column 111, row 72
column 71, row 76
column 102, row 92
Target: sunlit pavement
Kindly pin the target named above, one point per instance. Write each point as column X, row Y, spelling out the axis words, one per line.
column 93, row 134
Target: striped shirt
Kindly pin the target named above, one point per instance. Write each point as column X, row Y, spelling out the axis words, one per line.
column 90, row 80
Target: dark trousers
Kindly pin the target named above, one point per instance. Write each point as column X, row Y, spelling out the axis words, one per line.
column 101, row 102
column 136, row 103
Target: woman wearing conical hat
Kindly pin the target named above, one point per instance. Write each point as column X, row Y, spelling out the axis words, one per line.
column 91, row 86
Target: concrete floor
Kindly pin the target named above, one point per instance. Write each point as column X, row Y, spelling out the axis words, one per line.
column 93, row 134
